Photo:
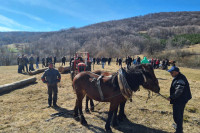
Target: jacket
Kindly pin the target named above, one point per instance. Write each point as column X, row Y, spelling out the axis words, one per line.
column 144, row 61
column 180, row 90
column 51, row 76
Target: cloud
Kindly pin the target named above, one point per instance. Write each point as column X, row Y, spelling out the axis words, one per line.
column 6, row 29
column 22, row 13
column 67, row 7
column 11, row 23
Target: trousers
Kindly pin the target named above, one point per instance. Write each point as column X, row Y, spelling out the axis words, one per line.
column 52, row 90
column 178, row 110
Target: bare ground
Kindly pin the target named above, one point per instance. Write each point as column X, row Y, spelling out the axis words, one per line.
column 25, row 109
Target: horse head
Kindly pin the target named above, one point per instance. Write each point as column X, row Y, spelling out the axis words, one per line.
column 150, row 80
column 142, row 75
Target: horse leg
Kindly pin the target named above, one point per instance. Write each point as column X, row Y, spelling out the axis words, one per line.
column 110, row 114
column 91, row 105
column 86, row 106
column 76, row 111
column 122, row 115
column 114, row 121
column 83, row 121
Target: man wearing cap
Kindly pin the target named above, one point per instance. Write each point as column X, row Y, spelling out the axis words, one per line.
column 180, row 94
column 51, row 77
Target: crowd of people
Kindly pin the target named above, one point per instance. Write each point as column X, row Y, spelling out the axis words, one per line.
column 156, row 63
column 27, row 63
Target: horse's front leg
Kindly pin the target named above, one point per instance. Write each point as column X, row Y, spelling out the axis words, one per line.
column 86, row 106
column 113, row 106
column 114, row 120
column 91, row 105
column 122, row 115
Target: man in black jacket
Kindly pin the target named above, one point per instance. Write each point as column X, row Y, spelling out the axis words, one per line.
column 51, row 77
column 180, row 94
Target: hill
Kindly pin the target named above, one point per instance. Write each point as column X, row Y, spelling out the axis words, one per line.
column 142, row 34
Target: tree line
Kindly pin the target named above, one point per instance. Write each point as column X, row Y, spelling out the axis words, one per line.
column 143, row 34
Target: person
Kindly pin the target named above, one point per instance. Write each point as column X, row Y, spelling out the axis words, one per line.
column 63, row 60
column 94, row 60
column 23, row 63
column 26, row 62
column 138, row 60
column 103, row 60
column 120, row 62
column 51, row 77
column 144, row 61
column 180, row 94
column 54, row 59
column 157, row 63
column 117, row 60
column 37, row 62
column 31, row 61
column 20, row 65
column 43, row 62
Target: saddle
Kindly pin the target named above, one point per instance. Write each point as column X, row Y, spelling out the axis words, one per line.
column 97, row 82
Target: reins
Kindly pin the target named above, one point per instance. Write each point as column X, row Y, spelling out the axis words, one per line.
column 162, row 96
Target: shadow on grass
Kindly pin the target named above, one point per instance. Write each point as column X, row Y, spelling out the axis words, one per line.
column 62, row 112
column 126, row 126
column 18, row 88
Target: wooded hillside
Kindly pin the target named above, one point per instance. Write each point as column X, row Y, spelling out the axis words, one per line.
column 143, row 34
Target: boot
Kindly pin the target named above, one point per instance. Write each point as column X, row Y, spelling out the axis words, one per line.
column 49, row 102
column 54, row 104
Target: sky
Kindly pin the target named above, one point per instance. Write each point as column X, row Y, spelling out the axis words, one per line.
column 54, row 15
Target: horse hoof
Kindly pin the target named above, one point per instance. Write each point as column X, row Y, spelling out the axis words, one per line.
column 84, row 122
column 77, row 118
column 87, row 110
column 121, row 117
column 92, row 109
column 108, row 129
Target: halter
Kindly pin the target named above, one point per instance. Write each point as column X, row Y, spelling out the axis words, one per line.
column 145, row 79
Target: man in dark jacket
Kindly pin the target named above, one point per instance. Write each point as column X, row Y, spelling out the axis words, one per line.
column 63, row 60
column 180, row 94
column 51, row 77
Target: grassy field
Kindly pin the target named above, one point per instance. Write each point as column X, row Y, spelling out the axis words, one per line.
column 25, row 109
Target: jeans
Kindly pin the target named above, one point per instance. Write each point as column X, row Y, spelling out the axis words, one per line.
column 37, row 64
column 52, row 89
column 103, row 65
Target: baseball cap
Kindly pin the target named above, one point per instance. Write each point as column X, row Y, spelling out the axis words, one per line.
column 173, row 68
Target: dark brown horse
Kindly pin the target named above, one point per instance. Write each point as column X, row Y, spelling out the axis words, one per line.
column 111, row 90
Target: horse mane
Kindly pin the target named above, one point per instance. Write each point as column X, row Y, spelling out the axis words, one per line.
column 114, row 81
column 134, row 77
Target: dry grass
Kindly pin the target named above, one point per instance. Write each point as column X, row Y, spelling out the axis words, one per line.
column 24, row 110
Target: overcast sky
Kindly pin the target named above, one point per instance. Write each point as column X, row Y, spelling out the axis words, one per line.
column 53, row 15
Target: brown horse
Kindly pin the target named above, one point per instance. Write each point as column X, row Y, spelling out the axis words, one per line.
column 111, row 90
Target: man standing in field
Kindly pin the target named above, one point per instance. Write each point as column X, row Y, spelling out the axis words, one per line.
column 51, row 77
column 180, row 94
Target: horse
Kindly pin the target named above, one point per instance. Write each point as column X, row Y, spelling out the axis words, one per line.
column 113, row 89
